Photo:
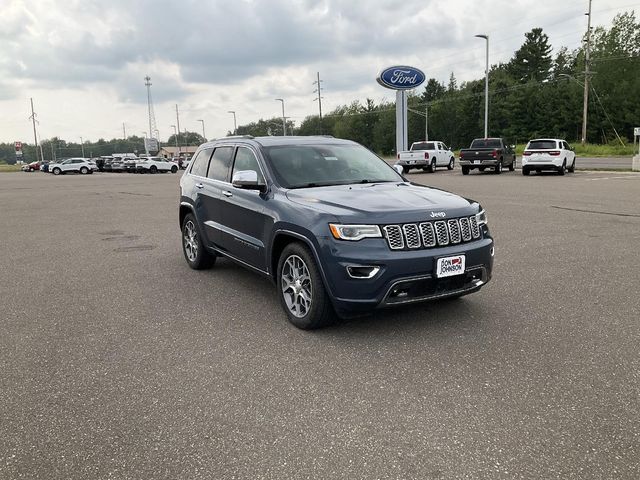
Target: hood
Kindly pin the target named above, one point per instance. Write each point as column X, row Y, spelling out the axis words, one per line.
column 383, row 202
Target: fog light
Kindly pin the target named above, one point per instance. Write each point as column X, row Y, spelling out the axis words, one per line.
column 362, row 271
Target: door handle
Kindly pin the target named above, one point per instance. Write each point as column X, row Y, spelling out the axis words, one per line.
column 226, row 193
column 199, row 185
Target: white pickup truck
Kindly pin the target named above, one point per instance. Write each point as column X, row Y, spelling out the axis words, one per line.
column 426, row 155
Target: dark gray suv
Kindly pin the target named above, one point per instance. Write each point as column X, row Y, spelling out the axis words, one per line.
column 335, row 227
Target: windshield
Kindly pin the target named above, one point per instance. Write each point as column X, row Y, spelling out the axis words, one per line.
column 423, row 146
column 542, row 144
column 486, row 143
column 299, row 166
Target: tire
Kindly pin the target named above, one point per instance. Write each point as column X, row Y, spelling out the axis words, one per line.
column 301, row 290
column 405, row 170
column 153, row 169
column 465, row 170
column 192, row 247
column 512, row 166
column 84, row 170
column 525, row 171
column 56, row 171
column 563, row 168
column 432, row 166
column 498, row 169
column 572, row 168
column 451, row 163
column 174, row 169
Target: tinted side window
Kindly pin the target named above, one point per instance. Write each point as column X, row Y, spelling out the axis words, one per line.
column 220, row 163
column 246, row 160
column 201, row 162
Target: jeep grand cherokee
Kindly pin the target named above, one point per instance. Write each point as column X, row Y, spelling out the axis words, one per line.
column 331, row 224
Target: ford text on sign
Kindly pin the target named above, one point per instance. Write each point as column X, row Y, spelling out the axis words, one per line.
column 401, row 77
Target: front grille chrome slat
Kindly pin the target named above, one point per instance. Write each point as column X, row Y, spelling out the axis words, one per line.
column 412, row 236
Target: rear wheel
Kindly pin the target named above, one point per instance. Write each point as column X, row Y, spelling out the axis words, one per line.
column 563, row 168
column 174, row 169
column 465, row 170
column 153, row 169
column 300, row 288
column 194, row 252
column 432, row 165
column 525, row 171
column 451, row 163
column 572, row 168
column 84, row 170
column 405, row 169
column 498, row 168
column 512, row 166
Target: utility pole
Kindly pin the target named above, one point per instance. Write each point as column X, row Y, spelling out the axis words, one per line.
column 152, row 115
column 585, row 102
column 35, row 136
column 235, row 124
column 175, row 135
column 124, row 132
column 426, row 122
column 178, row 128
column 82, row 146
column 319, row 99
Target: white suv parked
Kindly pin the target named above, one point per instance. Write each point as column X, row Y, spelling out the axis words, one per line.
column 79, row 165
column 548, row 154
column 156, row 164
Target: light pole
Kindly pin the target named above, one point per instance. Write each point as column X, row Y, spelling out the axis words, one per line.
column 175, row 135
column 486, row 88
column 284, row 119
column 82, row 146
column 203, row 135
column 585, row 100
column 235, row 125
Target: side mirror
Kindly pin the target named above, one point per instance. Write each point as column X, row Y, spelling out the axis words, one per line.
column 512, row 147
column 247, row 179
column 399, row 169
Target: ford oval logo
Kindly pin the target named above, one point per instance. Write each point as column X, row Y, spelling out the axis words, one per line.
column 401, row 77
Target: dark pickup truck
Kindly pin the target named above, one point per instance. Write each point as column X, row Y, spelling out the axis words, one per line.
column 491, row 153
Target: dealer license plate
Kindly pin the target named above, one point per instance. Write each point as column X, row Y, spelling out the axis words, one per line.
column 476, row 162
column 450, row 266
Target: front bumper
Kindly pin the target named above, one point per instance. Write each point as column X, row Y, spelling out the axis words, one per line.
column 404, row 276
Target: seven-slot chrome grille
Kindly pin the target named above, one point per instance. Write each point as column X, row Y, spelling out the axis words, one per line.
column 431, row 234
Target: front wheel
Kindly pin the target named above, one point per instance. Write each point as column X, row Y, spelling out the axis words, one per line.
column 512, row 166
column 300, row 288
column 451, row 163
column 84, row 170
column 153, row 169
column 194, row 252
column 56, row 171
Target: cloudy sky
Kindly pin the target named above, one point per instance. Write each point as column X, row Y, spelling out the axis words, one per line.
column 84, row 61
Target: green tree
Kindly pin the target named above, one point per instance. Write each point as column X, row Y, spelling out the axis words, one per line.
column 532, row 61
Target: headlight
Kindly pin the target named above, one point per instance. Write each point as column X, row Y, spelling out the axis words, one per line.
column 354, row 232
column 481, row 218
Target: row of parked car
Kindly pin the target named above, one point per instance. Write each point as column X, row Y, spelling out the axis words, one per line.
column 492, row 154
column 108, row 164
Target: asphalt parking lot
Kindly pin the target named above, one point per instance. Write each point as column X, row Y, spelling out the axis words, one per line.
column 118, row 361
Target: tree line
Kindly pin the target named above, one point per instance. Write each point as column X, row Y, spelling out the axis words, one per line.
column 534, row 94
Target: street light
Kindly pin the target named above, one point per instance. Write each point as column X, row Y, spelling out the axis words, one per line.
column 82, row 146
column 204, row 137
column 235, row 125
column 284, row 119
column 486, row 88
column 175, row 135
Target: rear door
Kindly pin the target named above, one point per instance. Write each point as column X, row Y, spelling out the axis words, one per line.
column 204, row 196
column 246, row 216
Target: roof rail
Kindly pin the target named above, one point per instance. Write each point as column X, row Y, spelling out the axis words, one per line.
column 237, row 136
column 326, row 136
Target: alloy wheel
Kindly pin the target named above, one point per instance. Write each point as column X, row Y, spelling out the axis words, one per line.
column 297, row 289
column 190, row 239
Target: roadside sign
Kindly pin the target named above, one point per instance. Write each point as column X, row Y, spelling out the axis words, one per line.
column 19, row 153
column 151, row 145
column 18, row 146
column 636, row 132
